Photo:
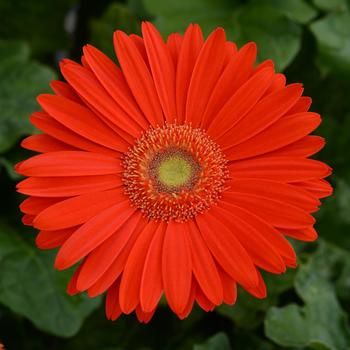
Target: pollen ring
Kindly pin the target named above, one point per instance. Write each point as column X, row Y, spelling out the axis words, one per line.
column 174, row 172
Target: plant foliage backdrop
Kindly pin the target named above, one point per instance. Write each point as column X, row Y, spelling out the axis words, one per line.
column 306, row 308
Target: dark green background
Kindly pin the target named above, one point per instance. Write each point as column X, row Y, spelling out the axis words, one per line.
column 307, row 308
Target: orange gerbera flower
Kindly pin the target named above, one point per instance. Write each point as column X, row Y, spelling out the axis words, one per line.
column 178, row 173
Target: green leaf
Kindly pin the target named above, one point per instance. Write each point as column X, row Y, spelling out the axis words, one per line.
column 296, row 10
column 249, row 312
column 31, row 287
column 333, row 38
column 333, row 218
column 320, row 323
column 175, row 16
column 117, row 16
column 218, row 341
column 331, row 5
column 249, row 340
column 40, row 23
column 9, row 167
column 21, row 81
column 137, row 7
column 270, row 26
column 12, row 157
column 277, row 37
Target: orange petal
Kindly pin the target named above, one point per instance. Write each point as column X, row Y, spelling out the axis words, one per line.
column 113, row 310
column 229, row 287
column 276, row 212
column 204, row 268
column 77, row 210
column 34, row 205
column 115, row 270
column 173, row 44
column 92, row 234
column 240, row 103
column 177, row 267
column 162, row 67
column 87, row 85
column 307, row 234
column 260, row 290
column 284, row 132
column 81, row 120
column 44, row 143
column 275, row 190
column 226, row 249
column 102, row 257
column 53, row 239
column 206, row 73
column 56, row 130
column 113, row 80
column 280, row 244
column 144, row 317
column 263, row 114
column 320, row 188
column 280, row 169
column 190, row 48
column 236, row 73
column 69, row 163
column 132, row 274
column 67, row 186
column 261, row 251
column 305, row 147
column 302, row 105
column 151, row 287
column 138, row 77
column 63, row 89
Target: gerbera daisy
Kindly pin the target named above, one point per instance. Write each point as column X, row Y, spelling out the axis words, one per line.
column 179, row 172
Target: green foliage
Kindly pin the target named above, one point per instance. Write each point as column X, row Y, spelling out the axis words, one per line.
column 333, row 36
column 306, row 308
column 21, row 80
column 321, row 323
column 297, row 10
column 216, row 342
column 272, row 24
column 30, row 287
column 102, row 29
column 249, row 312
column 39, row 22
column 331, row 5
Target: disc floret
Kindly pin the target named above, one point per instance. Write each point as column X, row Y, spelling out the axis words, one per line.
column 174, row 172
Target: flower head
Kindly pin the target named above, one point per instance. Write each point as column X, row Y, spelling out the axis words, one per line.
column 178, row 173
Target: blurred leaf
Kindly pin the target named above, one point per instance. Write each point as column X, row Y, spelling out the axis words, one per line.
column 296, row 10
column 138, row 8
column 175, row 16
column 333, row 38
column 8, row 166
column 268, row 25
column 343, row 200
column 31, row 287
column 218, row 341
column 41, row 23
column 320, row 323
column 277, row 36
column 331, row 5
column 249, row 341
column 333, row 219
column 249, row 312
column 21, row 81
column 117, row 16
column 10, row 158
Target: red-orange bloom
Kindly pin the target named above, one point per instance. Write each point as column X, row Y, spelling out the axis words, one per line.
column 178, row 173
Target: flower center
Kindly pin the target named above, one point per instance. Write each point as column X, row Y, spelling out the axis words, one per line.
column 174, row 172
